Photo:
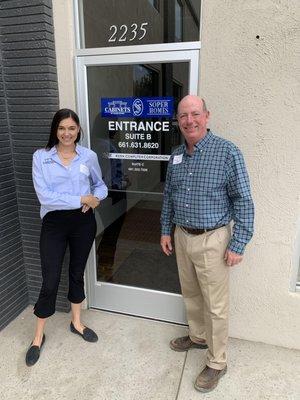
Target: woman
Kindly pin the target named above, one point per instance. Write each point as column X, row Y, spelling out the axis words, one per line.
column 68, row 182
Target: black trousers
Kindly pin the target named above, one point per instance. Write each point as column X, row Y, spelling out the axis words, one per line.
column 59, row 229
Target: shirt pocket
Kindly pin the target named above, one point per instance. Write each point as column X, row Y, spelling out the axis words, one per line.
column 209, row 180
column 84, row 169
column 84, row 177
column 177, row 178
column 84, row 180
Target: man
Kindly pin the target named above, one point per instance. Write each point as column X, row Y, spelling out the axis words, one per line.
column 207, row 186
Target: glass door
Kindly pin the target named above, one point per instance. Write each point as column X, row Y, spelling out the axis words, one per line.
column 127, row 104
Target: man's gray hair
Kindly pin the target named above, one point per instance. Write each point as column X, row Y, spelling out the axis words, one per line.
column 204, row 108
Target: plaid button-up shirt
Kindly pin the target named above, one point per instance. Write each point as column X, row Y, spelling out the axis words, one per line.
column 208, row 189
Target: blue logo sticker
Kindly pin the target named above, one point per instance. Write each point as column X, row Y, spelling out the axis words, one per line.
column 137, row 107
column 146, row 107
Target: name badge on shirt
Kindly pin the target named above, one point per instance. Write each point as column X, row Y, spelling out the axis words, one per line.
column 84, row 169
column 177, row 159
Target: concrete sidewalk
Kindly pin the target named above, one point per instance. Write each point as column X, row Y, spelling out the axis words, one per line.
column 132, row 361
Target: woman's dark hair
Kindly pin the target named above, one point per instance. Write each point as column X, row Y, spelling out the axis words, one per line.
column 58, row 117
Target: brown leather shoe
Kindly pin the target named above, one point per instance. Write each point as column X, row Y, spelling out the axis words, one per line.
column 185, row 343
column 208, row 379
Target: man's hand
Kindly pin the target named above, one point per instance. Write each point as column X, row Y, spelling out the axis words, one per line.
column 232, row 258
column 166, row 244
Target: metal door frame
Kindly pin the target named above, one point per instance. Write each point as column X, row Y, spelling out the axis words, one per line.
column 113, row 297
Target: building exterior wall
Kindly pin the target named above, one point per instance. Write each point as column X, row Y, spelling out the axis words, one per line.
column 250, row 77
column 28, row 100
column 13, row 288
column 64, row 33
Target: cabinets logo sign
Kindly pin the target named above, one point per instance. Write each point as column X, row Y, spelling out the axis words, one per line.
column 144, row 107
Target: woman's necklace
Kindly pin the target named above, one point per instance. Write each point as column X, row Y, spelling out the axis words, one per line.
column 66, row 155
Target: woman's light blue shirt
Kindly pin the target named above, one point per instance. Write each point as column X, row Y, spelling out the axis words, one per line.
column 60, row 187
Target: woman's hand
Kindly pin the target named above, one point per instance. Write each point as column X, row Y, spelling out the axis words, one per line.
column 89, row 201
column 85, row 208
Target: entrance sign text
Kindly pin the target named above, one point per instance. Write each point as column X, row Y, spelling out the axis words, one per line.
column 130, row 156
column 142, row 135
column 135, row 126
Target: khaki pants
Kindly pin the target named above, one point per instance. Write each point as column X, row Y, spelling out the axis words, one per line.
column 204, row 279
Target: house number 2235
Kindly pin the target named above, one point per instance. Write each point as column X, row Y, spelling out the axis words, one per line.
column 125, row 33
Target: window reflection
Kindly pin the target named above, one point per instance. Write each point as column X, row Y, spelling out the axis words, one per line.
column 155, row 4
column 178, row 21
column 145, row 81
column 109, row 23
column 127, row 240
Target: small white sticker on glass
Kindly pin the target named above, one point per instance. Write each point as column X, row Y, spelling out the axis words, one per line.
column 177, row 159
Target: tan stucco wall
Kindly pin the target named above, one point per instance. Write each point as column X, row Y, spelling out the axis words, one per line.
column 252, row 89
column 64, row 33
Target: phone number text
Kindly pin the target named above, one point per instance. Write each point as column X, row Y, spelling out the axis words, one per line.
column 138, row 145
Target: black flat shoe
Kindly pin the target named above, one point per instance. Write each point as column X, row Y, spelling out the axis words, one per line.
column 33, row 353
column 88, row 334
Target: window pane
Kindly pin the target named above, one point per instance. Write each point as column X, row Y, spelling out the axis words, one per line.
column 128, row 220
column 109, row 23
column 178, row 21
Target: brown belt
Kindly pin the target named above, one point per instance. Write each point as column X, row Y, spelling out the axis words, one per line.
column 193, row 231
